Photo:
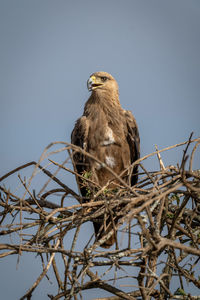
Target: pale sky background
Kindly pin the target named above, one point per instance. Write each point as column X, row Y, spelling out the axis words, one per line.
column 49, row 48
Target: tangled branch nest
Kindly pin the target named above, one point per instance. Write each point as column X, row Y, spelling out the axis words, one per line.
column 158, row 231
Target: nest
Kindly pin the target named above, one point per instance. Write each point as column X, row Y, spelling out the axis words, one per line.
column 157, row 233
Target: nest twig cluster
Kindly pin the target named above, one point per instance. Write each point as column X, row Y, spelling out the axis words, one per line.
column 158, row 232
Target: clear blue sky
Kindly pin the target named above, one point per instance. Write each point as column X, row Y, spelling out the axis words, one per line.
column 49, row 48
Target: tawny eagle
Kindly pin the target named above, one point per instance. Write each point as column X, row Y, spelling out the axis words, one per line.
column 109, row 133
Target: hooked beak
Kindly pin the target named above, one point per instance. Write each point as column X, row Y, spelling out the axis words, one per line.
column 93, row 83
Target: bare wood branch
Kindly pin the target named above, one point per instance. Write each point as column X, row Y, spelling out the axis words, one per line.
column 160, row 217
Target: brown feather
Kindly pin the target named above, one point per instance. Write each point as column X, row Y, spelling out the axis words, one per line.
column 111, row 135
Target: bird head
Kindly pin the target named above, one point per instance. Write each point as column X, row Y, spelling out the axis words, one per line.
column 102, row 81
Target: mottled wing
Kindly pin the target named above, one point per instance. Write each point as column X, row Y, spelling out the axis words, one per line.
column 79, row 137
column 133, row 140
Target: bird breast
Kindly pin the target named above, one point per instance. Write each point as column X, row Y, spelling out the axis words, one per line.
column 108, row 137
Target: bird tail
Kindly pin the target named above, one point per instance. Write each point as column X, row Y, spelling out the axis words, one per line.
column 100, row 232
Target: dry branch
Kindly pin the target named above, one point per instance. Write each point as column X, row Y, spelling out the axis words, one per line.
column 158, row 228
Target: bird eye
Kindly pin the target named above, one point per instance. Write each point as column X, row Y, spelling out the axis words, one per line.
column 104, row 78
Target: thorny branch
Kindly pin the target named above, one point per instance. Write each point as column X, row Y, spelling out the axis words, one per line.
column 158, row 228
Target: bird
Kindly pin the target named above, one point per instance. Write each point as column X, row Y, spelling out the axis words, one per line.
column 110, row 134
